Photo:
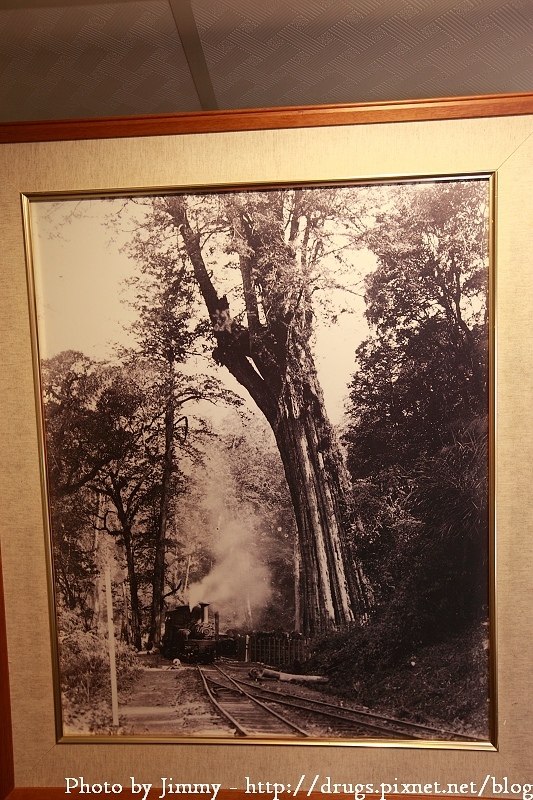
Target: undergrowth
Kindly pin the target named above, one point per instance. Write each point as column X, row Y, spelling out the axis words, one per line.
column 85, row 677
column 444, row 683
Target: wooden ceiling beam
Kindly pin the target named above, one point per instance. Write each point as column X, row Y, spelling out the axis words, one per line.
column 192, row 46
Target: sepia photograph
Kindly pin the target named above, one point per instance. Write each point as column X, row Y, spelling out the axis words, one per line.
column 267, row 421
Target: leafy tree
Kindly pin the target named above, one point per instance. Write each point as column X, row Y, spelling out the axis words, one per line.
column 92, row 426
column 417, row 420
column 127, row 485
column 72, row 520
column 165, row 336
column 113, row 434
column 82, row 437
column 424, row 368
column 451, row 497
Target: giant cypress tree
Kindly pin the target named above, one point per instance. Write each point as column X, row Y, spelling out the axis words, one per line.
column 275, row 242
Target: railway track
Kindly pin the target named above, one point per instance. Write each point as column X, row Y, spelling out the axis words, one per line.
column 358, row 719
column 248, row 714
column 354, row 722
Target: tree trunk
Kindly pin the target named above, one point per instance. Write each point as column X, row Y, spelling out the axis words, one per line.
column 127, row 538
column 134, row 594
column 332, row 592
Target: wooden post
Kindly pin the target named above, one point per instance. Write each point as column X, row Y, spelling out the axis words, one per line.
column 111, row 641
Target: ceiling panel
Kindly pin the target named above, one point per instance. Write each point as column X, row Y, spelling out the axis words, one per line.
column 306, row 52
column 97, row 59
column 62, row 59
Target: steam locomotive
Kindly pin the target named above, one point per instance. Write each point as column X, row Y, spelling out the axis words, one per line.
column 189, row 635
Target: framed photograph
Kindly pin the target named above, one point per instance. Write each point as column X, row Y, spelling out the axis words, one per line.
column 252, row 460
column 266, row 432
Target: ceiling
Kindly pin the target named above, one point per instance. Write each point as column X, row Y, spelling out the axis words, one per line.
column 74, row 59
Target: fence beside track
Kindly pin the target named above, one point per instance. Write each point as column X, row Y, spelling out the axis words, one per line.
column 274, row 649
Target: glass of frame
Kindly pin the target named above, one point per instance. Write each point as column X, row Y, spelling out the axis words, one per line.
column 267, row 420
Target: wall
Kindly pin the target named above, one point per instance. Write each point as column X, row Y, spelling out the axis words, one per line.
column 504, row 145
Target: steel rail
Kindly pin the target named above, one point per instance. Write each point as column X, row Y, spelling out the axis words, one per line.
column 217, row 705
column 303, row 704
column 253, row 700
column 269, row 710
column 353, row 715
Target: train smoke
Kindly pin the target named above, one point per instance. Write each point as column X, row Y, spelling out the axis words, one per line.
column 238, row 586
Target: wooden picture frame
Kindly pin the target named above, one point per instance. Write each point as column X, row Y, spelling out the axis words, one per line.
column 504, row 125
